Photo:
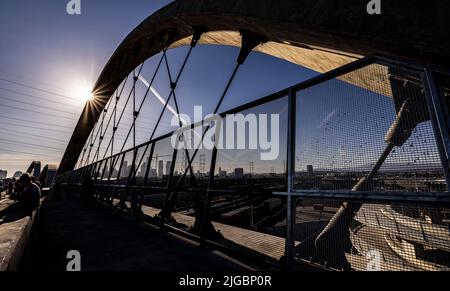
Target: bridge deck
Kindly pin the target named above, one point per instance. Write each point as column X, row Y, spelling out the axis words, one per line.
column 108, row 241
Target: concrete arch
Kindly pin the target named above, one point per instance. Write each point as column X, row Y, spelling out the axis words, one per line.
column 318, row 34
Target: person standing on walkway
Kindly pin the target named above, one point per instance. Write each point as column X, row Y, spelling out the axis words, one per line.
column 10, row 188
column 30, row 199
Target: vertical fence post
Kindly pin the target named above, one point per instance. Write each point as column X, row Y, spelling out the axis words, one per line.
column 135, row 113
column 291, row 209
column 439, row 120
column 205, row 218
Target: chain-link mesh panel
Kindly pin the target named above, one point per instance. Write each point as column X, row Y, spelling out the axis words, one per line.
column 368, row 130
column 383, row 237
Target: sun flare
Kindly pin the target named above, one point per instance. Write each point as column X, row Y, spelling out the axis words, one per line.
column 81, row 91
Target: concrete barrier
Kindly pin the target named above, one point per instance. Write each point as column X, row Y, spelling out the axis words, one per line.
column 16, row 231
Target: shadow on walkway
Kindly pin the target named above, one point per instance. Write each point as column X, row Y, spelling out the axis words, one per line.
column 109, row 241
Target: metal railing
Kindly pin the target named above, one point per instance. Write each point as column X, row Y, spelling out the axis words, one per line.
column 362, row 182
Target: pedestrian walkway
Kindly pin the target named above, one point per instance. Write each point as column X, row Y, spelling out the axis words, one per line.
column 109, row 241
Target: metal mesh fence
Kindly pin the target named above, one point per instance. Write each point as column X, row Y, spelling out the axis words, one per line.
column 380, row 237
column 349, row 125
column 368, row 131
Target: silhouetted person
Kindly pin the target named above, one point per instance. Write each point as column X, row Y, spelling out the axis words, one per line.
column 30, row 198
column 18, row 188
column 134, row 201
column 10, row 188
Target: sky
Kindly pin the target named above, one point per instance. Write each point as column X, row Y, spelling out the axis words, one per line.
column 43, row 47
column 49, row 61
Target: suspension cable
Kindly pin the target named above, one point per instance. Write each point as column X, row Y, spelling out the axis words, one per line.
column 123, row 111
column 91, row 145
column 96, row 136
column 94, row 140
column 86, row 145
column 186, row 152
column 230, row 81
column 198, row 32
column 143, row 100
column 173, row 86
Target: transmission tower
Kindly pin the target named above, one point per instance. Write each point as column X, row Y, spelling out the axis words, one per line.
column 251, row 167
column 202, row 163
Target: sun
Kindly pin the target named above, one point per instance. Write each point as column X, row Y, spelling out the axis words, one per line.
column 81, row 91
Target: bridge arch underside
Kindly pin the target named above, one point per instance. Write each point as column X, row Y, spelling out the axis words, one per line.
column 321, row 36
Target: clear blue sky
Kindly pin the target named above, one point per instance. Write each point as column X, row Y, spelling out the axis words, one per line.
column 44, row 47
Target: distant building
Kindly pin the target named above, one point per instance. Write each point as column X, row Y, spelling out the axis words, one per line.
column 152, row 173
column 125, row 169
column 239, row 173
column 160, row 169
column 3, row 174
column 168, row 167
column 310, row 170
column 114, row 174
column 106, row 172
column 222, row 174
column 17, row 174
column 144, row 167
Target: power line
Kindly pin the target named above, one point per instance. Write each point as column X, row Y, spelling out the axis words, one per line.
column 39, row 112
column 17, row 132
column 36, row 105
column 9, row 141
column 26, row 153
column 34, row 127
column 37, row 97
column 37, row 122
column 31, row 136
column 38, row 89
column 21, row 76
